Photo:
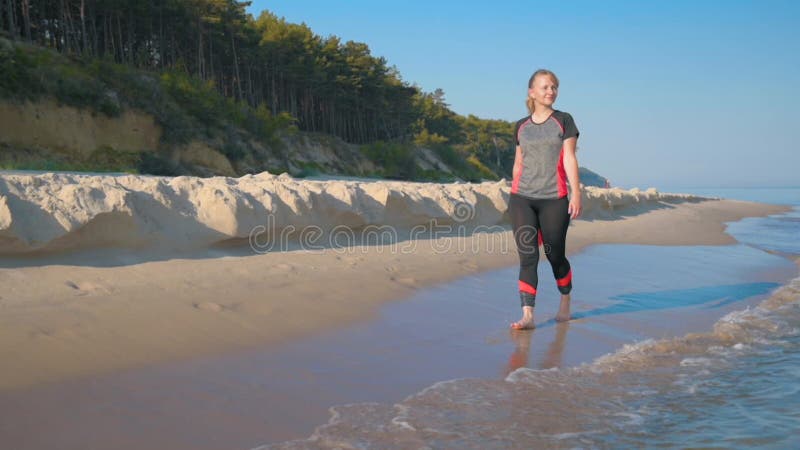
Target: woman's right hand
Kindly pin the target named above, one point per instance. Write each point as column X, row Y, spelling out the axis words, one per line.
column 574, row 209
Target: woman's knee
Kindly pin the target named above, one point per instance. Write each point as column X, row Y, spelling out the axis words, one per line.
column 556, row 254
column 530, row 258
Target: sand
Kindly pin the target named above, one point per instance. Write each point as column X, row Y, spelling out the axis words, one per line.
column 181, row 283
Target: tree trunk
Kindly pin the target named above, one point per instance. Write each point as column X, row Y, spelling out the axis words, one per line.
column 161, row 44
column 211, row 62
column 274, row 94
column 83, row 27
column 93, row 15
column 150, row 40
column 12, row 29
column 119, row 39
column 64, row 26
column 250, row 93
column 26, row 19
column 105, row 23
column 236, row 67
column 332, row 114
column 108, row 40
column 200, row 47
column 174, row 47
column 131, row 43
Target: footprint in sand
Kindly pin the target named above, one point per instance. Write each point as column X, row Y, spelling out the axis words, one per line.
column 468, row 264
column 214, row 307
column 284, row 268
column 350, row 260
column 87, row 287
column 408, row 281
column 41, row 333
column 209, row 306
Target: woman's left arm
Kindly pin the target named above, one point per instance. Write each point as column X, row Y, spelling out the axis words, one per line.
column 571, row 167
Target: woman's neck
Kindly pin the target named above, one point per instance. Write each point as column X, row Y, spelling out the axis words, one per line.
column 541, row 113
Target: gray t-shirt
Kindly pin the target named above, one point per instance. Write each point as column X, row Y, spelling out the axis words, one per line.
column 543, row 175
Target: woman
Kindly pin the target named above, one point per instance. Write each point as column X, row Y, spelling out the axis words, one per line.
column 541, row 202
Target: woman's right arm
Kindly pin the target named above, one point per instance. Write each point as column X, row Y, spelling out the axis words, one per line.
column 517, row 164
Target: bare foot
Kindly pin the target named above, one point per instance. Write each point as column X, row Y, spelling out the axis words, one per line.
column 526, row 323
column 563, row 309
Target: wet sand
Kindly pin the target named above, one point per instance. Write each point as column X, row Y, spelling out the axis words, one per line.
column 279, row 392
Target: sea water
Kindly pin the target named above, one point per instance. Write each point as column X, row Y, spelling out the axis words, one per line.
column 734, row 385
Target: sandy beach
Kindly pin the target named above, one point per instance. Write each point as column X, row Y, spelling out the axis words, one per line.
column 159, row 325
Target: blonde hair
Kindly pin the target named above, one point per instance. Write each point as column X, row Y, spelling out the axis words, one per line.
column 529, row 100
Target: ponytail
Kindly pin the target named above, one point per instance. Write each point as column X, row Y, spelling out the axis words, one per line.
column 530, row 105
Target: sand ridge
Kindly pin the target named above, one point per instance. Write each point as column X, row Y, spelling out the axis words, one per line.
column 65, row 212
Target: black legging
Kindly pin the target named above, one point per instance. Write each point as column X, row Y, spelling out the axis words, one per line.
column 528, row 217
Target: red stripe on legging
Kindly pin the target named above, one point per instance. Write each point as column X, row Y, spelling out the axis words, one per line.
column 566, row 280
column 525, row 287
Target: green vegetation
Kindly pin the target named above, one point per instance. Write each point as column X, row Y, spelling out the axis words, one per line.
column 396, row 159
column 475, row 148
column 29, row 73
column 103, row 159
column 184, row 106
column 205, row 69
column 309, row 169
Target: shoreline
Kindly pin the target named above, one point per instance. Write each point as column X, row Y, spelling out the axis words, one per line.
column 76, row 321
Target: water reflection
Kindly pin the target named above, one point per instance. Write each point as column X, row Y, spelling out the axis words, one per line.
column 522, row 340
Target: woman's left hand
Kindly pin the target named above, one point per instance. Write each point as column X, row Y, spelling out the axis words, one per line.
column 574, row 209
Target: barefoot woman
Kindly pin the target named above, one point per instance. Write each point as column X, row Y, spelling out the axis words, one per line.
column 545, row 192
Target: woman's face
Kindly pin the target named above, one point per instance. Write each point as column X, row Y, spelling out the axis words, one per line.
column 544, row 90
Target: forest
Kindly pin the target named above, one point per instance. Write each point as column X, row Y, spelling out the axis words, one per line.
column 324, row 85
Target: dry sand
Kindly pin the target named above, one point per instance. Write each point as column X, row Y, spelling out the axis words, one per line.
column 88, row 315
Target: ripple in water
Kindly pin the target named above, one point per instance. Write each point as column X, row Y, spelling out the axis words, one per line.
column 776, row 233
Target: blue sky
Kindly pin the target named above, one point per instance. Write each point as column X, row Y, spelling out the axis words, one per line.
column 665, row 94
